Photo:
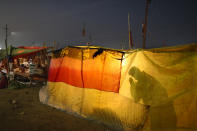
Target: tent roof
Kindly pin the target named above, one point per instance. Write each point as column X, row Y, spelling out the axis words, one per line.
column 24, row 51
column 186, row 47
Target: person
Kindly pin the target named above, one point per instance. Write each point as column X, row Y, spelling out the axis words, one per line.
column 22, row 68
column 32, row 67
column 25, row 63
column 3, row 79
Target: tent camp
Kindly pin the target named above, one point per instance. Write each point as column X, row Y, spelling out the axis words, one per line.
column 142, row 89
column 19, row 68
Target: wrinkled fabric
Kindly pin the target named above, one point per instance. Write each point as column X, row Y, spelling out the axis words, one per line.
column 143, row 89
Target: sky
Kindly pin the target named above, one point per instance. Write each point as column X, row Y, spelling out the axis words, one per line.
column 34, row 22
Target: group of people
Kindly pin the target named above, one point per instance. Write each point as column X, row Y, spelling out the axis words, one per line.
column 27, row 66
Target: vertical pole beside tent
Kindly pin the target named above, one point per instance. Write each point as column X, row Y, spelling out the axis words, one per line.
column 144, row 28
column 54, row 47
column 6, row 46
column 129, row 30
column 84, row 30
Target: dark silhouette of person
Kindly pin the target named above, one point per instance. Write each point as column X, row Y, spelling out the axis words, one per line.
column 3, row 80
column 146, row 88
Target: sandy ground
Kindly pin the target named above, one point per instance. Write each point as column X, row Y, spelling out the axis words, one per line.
column 20, row 110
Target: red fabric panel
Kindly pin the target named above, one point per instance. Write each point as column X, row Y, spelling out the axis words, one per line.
column 31, row 47
column 70, row 72
column 55, row 65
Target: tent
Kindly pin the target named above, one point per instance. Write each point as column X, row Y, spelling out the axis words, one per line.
column 142, row 89
column 24, row 51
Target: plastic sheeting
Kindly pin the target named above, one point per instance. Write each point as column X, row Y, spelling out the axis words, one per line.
column 151, row 89
column 165, row 79
column 107, row 107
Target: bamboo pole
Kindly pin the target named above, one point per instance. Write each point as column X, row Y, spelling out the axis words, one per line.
column 145, row 23
column 129, row 31
column 6, row 46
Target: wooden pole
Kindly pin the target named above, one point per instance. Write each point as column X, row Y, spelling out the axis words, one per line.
column 6, row 46
column 145, row 23
column 129, row 30
column 54, row 45
column 84, row 30
column 6, row 40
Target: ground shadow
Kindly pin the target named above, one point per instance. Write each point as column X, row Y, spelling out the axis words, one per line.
column 147, row 89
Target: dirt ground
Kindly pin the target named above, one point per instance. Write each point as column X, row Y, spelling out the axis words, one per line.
column 20, row 110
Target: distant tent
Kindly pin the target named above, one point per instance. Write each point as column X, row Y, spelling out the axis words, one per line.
column 24, row 51
column 143, row 89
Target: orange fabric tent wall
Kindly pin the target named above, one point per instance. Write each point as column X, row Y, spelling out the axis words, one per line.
column 101, row 72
